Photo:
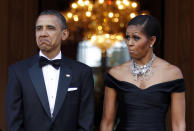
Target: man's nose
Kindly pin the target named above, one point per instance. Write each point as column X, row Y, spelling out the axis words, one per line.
column 44, row 32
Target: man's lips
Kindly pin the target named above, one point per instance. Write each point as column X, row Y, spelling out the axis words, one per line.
column 44, row 41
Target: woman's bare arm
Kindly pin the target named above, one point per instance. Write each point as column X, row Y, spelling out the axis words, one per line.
column 109, row 110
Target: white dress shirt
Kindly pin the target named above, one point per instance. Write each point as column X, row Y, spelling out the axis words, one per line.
column 51, row 79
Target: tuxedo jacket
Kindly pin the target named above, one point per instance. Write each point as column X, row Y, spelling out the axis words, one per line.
column 27, row 106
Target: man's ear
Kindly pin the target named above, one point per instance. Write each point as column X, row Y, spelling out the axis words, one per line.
column 152, row 41
column 65, row 34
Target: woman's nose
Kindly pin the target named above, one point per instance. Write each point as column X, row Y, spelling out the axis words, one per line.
column 130, row 43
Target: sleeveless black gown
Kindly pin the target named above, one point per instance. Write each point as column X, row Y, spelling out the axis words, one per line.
column 143, row 109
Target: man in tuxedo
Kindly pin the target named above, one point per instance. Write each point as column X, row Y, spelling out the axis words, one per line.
column 49, row 92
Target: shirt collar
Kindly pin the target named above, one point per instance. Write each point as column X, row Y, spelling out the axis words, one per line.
column 57, row 57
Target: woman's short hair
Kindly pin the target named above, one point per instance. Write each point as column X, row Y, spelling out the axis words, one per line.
column 151, row 26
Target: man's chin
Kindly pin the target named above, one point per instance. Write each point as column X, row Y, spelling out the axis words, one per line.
column 44, row 49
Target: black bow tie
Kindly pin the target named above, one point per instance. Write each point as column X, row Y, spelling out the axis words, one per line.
column 44, row 61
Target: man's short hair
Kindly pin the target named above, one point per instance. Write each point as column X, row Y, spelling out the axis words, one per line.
column 57, row 14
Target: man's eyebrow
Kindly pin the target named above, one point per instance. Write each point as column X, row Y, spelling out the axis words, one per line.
column 38, row 26
column 51, row 26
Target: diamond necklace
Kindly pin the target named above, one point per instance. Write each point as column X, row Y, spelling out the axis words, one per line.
column 142, row 72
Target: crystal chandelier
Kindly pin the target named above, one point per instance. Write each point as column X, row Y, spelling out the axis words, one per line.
column 102, row 21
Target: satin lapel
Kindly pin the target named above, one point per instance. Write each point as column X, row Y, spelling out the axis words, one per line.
column 64, row 81
column 36, row 76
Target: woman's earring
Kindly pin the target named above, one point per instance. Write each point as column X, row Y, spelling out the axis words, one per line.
column 151, row 46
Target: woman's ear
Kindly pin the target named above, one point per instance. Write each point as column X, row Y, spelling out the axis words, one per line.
column 65, row 34
column 152, row 41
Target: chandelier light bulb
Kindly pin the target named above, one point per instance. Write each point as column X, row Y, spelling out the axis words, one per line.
column 134, row 4
column 90, row 6
column 101, row 1
column 99, row 27
column 126, row 2
column 75, row 18
column 118, row 2
column 119, row 37
column 101, row 39
column 116, row 20
column 69, row 15
column 81, row 3
column 107, row 36
column 88, row 13
column 74, row 5
column 132, row 15
column 87, row 2
column 120, row 7
column 110, row 14
column 122, row 25
column 112, row 36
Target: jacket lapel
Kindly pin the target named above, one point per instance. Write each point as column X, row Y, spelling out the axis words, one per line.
column 64, row 81
column 37, row 78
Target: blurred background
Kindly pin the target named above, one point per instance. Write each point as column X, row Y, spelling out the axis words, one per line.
column 97, row 29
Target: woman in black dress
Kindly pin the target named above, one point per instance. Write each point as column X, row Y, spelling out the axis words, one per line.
column 141, row 90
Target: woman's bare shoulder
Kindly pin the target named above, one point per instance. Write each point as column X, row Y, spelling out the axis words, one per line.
column 172, row 71
column 175, row 72
column 116, row 71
